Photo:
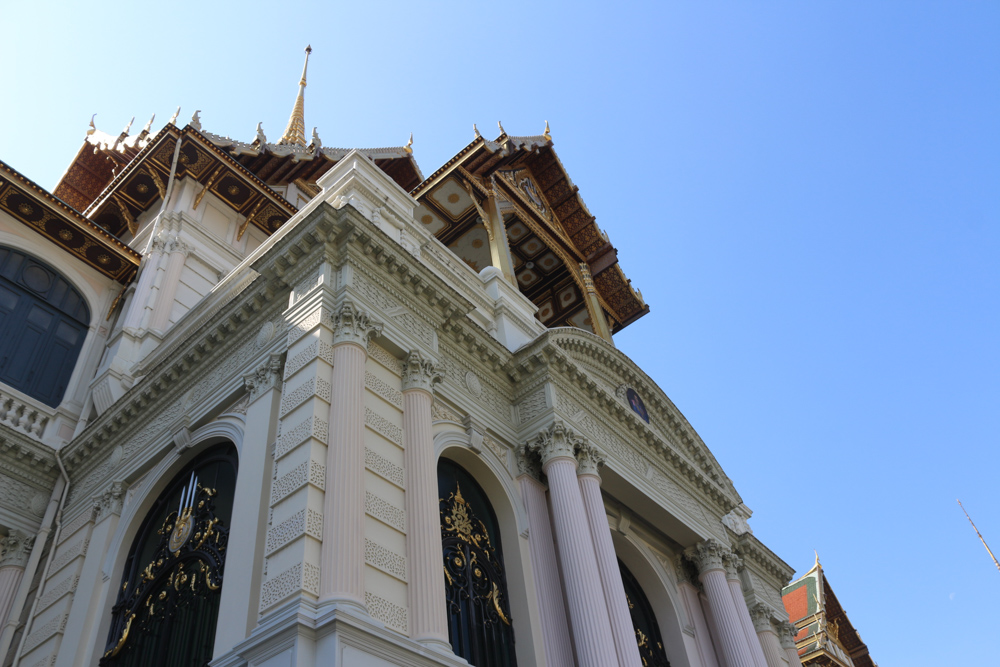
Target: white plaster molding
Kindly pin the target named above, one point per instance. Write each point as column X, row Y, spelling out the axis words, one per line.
column 419, row 372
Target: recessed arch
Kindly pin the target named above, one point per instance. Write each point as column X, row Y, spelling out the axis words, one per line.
column 661, row 592
column 508, row 508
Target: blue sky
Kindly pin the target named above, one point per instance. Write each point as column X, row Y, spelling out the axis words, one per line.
column 805, row 192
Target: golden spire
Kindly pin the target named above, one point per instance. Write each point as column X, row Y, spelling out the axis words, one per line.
column 295, row 132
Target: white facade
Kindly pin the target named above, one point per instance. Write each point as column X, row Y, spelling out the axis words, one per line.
column 344, row 355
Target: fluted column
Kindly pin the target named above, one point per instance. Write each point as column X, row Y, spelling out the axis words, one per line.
column 428, row 613
column 760, row 614
column 14, row 551
column 589, row 478
column 708, row 556
column 548, row 592
column 733, row 565
column 692, row 605
column 786, row 637
column 342, row 558
column 595, row 645
column 170, row 279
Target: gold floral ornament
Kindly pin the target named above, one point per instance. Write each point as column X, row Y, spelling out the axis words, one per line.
column 460, row 521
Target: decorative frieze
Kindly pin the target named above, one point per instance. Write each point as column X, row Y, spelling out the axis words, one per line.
column 380, row 388
column 391, row 614
column 299, row 577
column 311, row 427
column 383, row 467
column 383, row 427
column 532, row 406
column 57, row 624
column 382, row 356
column 303, row 522
column 419, row 372
column 385, row 559
column 15, row 549
column 385, row 512
column 265, row 377
column 316, row 350
column 313, row 387
column 54, row 593
column 307, row 472
column 77, row 550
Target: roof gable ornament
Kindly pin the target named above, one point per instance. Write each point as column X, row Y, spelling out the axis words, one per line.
column 295, row 132
column 92, row 128
column 546, row 134
column 173, row 119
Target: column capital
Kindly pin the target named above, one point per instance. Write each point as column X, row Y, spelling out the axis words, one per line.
column 420, row 373
column 760, row 614
column 527, row 462
column 786, row 634
column 558, row 441
column 350, row 324
column 707, row 555
column 15, row 549
column 110, row 502
column 267, row 376
column 590, row 461
column 684, row 569
column 733, row 564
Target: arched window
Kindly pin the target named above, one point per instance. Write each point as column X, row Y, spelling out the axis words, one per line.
column 479, row 623
column 43, row 322
column 168, row 601
column 647, row 632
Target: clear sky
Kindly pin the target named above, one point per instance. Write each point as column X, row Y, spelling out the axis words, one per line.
column 805, row 192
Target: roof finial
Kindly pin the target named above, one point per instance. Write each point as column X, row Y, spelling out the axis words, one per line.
column 260, row 134
column 173, row 119
column 500, row 125
column 128, row 127
column 295, row 132
column 476, row 131
column 149, row 124
column 408, row 148
column 93, row 128
column 316, row 143
column 548, row 137
column 195, row 121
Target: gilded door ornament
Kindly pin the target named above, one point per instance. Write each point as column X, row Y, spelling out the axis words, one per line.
column 478, row 608
column 181, row 576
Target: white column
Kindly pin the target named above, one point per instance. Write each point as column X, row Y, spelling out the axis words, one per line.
column 548, row 592
column 733, row 565
column 773, row 653
column 342, row 559
column 239, row 603
column 786, row 637
column 692, row 605
column 607, row 563
column 426, row 591
column 708, row 557
column 164, row 300
column 595, row 645
column 14, row 551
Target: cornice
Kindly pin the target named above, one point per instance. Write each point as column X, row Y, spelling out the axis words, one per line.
column 755, row 553
column 26, row 459
column 550, row 353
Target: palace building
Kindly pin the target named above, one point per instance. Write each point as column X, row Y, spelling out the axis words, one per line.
column 271, row 403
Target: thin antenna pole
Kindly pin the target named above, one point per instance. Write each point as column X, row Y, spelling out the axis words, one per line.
column 980, row 535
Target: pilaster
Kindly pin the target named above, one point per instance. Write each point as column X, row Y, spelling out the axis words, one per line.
column 239, row 603
column 14, row 552
column 426, row 590
column 734, row 564
column 342, row 569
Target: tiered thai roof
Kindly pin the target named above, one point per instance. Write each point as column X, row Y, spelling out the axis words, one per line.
column 825, row 634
